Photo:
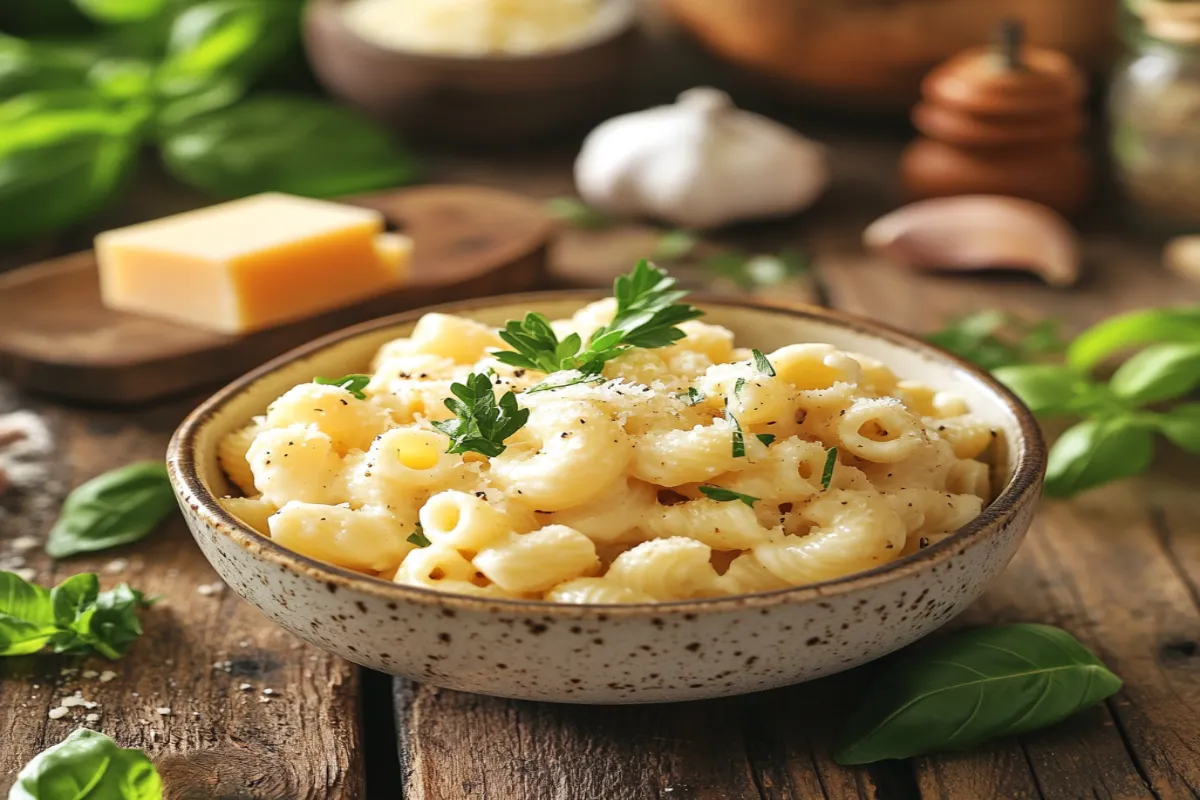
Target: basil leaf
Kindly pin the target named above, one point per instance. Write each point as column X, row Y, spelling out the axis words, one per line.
column 109, row 626
column 28, row 67
column 119, row 11
column 1161, row 372
column 63, row 156
column 1050, row 389
column 282, row 143
column 1132, row 329
column 115, row 508
column 88, row 764
column 1097, row 451
column 972, row 687
column 1181, row 425
column 26, row 616
column 73, row 596
column 229, row 37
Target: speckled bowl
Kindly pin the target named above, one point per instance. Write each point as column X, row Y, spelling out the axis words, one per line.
column 613, row 654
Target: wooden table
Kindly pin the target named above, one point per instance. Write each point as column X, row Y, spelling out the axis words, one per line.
column 1118, row 567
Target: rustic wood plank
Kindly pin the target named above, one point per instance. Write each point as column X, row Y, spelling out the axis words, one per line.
column 218, row 740
column 1117, row 566
column 768, row 746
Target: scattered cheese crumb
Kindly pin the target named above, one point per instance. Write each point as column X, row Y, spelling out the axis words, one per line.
column 58, row 713
column 90, row 673
column 264, row 699
column 245, row 687
column 163, row 712
column 23, row 544
column 92, row 718
column 107, row 676
column 117, row 565
column 210, row 589
column 268, row 692
column 73, row 701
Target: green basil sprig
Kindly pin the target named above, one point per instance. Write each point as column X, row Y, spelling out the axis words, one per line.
column 115, row 508
column 975, row 686
column 88, row 764
column 1115, row 438
column 282, row 143
column 73, row 617
column 994, row 339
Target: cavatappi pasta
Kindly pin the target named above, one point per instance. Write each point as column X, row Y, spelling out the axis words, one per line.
column 621, row 490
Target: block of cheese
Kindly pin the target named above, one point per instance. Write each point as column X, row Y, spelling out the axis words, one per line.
column 250, row 264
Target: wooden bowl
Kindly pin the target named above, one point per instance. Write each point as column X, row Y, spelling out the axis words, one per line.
column 872, row 55
column 498, row 99
column 635, row 653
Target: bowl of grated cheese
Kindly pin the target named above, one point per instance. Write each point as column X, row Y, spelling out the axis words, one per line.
column 475, row 71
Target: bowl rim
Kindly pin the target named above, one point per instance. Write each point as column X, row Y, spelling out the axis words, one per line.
column 1020, row 490
column 327, row 11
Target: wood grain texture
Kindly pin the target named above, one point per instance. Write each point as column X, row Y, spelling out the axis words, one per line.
column 57, row 338
column 219, row 740
column 769, row 745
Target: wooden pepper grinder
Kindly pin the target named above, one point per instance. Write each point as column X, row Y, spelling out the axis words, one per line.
column 1001, row 120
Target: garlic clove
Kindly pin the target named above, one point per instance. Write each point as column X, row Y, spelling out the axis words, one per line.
column 1182, row 257
column 699, row 163
column 976, row 232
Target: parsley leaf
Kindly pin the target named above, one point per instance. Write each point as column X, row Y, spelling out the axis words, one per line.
column 765, row 438
column 739, row 441
column 830, row 463
column 693, row 396
column 481, row 424
column 723, row 495
column 763, row 365
column 354, row 384
column 418, row 537
column 647, row 316
column 738, row 385
column 74, row 617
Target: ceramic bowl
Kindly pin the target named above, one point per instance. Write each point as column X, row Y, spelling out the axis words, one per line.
column 613, row 654
column 497, row 99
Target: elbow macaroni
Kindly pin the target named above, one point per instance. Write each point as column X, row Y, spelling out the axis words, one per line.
column 597, row 499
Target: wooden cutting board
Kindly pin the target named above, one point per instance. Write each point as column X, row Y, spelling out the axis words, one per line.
column 57, row 338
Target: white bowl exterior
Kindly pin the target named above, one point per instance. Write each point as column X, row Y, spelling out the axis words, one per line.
column 619, row 654
column 596, row 657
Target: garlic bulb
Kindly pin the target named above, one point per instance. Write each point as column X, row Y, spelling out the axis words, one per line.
column 699, row 163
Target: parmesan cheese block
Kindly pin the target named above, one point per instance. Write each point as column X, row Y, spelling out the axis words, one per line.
column 250, row 264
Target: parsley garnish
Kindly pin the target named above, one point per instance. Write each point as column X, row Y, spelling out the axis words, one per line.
column 764, row 366
column 724, row 495
column 739, row 441
column 354, row 384
column 418, row 537
column 830, row 463
column 647, row 316
column 738, row 385
column 765, row 438
column 692, row 397
column 481, row 424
